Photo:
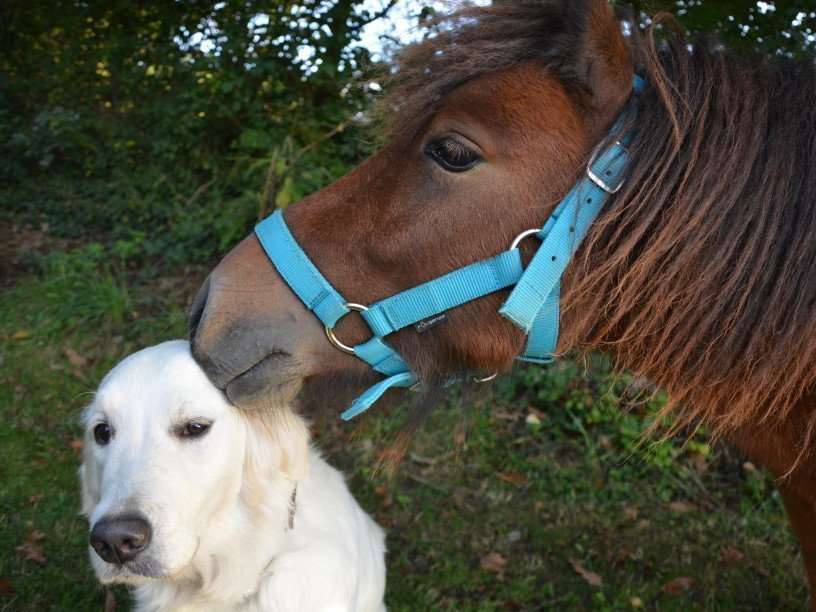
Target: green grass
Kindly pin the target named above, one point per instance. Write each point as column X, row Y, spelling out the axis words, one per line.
column 573, row 488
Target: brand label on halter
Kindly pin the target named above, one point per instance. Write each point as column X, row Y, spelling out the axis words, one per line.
column 433, row 321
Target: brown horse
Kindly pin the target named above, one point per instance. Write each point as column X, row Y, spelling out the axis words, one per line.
column 700, row 273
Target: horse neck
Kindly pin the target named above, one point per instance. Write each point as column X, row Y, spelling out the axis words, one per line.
column 701, row 273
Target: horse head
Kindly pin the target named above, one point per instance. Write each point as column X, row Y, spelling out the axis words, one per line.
column 491, row 123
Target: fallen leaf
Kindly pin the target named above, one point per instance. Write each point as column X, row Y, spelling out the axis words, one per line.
column 76, row 445
column 384, row 520
column 630, row 513
column 20, row 388
column 75, row 358
column 532, row 419
column 592, row 578
column 34, row 536
column 700, row 463
column 6, row 590
column 748, row 467
column 36, row 497
column 679, row 586
column 493, row 562
column 512, row 478
column 20, row 335
column 732, row 556
column 636, row 602
column 680, row 506
column 32, row 552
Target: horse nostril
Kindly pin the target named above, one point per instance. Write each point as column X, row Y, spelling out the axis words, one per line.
column 120, row 540
column 197, row 310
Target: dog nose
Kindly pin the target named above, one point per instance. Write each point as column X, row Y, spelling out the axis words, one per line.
column 120, row 540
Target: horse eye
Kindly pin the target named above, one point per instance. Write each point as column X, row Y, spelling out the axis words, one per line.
column 195, row 429
column 102, row 434
column 452, row 155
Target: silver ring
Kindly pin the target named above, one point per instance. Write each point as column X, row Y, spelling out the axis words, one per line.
column 487, row 378
column 330, row 334
column 522, row 236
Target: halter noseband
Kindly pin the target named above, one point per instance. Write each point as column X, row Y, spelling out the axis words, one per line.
column 533, row 304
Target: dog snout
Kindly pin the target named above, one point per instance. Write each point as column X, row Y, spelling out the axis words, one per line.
column 120, row 540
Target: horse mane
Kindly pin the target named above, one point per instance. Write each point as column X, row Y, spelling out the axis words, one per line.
column 701, row 272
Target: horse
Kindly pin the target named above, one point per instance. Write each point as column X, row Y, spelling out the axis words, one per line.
column 699, row 273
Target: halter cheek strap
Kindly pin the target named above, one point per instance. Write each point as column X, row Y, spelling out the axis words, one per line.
column 533, row 304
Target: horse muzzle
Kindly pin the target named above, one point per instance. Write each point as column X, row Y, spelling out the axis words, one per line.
column 250, row 334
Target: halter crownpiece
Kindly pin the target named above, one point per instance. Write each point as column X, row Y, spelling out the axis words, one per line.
column 533, row 304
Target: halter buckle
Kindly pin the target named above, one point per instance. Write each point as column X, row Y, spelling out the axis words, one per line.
column 598, row 180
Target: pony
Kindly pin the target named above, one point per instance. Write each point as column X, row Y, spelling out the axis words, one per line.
column 699, row 273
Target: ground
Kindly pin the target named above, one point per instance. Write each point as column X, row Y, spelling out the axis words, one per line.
column 551, row 502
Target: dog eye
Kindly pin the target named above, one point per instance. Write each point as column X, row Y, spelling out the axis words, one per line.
column 195, row 428
column 452, row 155
column 102, row 434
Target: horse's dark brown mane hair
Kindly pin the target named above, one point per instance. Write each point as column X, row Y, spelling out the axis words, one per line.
column 701, row 273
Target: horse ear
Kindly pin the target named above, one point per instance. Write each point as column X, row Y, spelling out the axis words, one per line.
column 593, row 53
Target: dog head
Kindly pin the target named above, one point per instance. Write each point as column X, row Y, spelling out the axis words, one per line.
column 166, row 457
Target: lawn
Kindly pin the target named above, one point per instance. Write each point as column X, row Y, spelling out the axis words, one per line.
column 549, row 502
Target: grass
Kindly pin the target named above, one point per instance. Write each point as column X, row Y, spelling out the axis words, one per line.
column 550, row 478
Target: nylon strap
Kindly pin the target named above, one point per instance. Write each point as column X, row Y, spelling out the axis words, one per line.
column 298, row 270
column 443, row 293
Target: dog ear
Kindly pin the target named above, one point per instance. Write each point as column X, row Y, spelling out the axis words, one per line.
column 277, row 444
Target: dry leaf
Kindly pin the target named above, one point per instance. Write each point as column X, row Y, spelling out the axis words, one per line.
column 6, row 590
column 512, row 478
column 532, row 419
column 36, row 497
column 592, row 578
column 34, row 536
column 680, row 506
column 76, row 445
column 679, row 586
column 630, row 513
column 20, row 335
column 732, row 556
column 32, row 552
column 383, row 520
column 75, row 358
column 493, row 562
column 20, row 388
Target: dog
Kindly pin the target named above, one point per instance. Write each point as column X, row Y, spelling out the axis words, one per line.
column 203, row 506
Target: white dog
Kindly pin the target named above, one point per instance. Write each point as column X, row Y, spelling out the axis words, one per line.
column 204, row 506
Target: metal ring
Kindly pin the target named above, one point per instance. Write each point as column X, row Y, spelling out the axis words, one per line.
column 330, row 334
column 487, row 378
column 522, row 236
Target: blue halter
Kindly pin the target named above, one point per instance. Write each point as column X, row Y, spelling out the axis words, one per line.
column 533, row 304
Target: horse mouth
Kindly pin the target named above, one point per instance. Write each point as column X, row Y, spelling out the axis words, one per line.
column 273, row 380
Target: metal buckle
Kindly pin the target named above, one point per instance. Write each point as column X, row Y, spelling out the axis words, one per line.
column 598, row 180
column 330, row 334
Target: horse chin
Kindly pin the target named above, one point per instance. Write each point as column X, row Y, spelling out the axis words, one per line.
column 273, row 381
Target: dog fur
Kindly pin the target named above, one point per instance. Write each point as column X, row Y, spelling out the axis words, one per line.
column 220, row 504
